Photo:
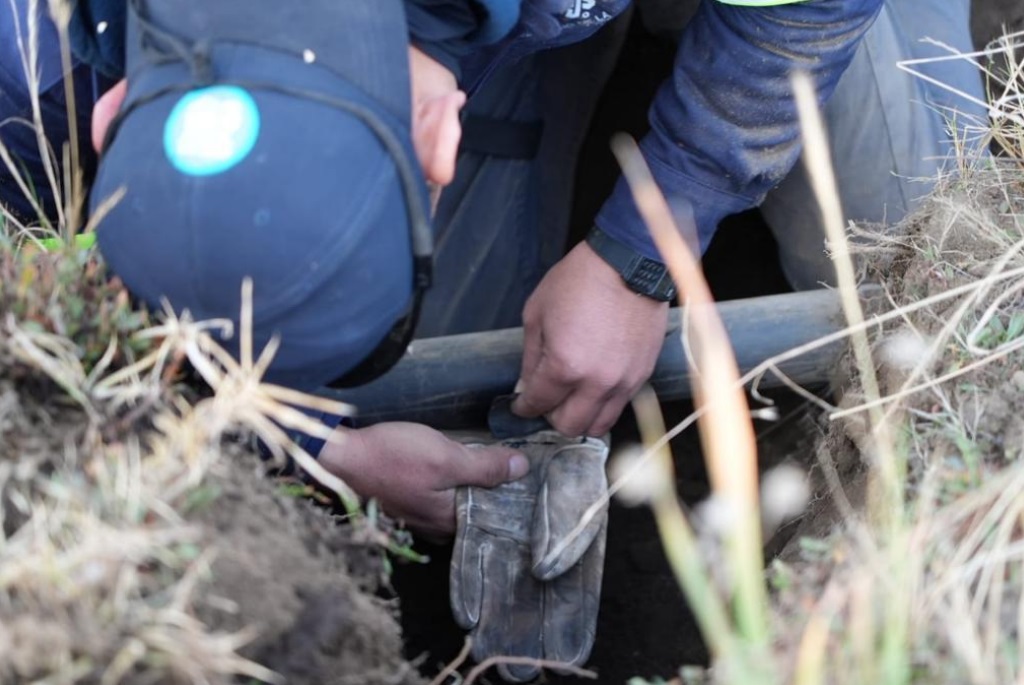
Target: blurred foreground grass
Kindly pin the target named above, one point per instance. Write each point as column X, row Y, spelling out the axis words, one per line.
column 920, row 476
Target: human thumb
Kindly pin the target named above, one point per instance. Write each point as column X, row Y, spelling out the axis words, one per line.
column 490, row 466
column 105, row 111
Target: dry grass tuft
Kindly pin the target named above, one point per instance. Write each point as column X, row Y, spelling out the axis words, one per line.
column 106, row 457
column 934, row 596
column 98, row 455
column 922, row 580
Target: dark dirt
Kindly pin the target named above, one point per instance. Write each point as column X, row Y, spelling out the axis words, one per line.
column 293, row 572
column 992, row 18
column 281, row 566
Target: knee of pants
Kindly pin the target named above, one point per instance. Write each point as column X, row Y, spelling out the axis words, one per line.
column 21, row 140
column 889, row 134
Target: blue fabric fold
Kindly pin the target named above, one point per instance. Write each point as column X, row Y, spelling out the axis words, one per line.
column 724, row 127
column 449, row 30
column 97, row 35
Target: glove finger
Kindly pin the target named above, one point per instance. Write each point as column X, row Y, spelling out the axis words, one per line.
column 482, row 515
column 511, row 611
column 574, row 480
column 466, row 574
column 571, row 606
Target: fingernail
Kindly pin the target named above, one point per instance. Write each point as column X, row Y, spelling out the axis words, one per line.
column 518, row 466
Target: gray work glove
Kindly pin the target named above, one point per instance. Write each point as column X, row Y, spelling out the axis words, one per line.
column 520, row 581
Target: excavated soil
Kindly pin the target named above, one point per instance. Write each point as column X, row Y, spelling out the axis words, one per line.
column 131, row 552
column 292, row 571
column 991, row 18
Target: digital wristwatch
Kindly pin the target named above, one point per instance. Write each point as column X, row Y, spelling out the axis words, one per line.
column 643, row 275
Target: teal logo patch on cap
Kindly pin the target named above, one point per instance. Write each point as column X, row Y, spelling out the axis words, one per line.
column 211, row 130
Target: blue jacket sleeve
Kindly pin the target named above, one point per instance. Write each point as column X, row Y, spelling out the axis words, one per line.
column 448, row 30
column 724, row 128
column 445, row 29
column 97, row 35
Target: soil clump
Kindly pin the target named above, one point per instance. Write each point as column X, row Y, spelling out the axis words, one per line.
column 142, row 540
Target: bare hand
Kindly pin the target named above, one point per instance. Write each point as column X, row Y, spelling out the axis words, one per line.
column 104, row 111
column 413, row 471
column 590, row 344
column 436, row 128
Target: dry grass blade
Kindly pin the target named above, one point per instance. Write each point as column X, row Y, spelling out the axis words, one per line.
column 15, row 173
column 811, row 661
column 253, row 404
column 680, row 541
column 820, row 170
column 486, row 665
column 878, row 446
column 30, row 67
column 456, row 663
column 74, row 199
column 726, row 428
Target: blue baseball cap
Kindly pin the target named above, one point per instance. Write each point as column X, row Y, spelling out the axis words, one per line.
column 271, row 140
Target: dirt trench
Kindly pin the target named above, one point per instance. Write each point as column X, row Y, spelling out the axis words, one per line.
column 991, row 18
column 298, row 575
column 644, row 626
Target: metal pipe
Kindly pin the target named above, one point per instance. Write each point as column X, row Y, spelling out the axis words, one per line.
column 449, row 382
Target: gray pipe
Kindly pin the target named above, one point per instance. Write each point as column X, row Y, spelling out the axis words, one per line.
column 450, row 382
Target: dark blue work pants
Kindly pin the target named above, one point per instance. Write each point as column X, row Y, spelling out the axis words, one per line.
column 18, row 134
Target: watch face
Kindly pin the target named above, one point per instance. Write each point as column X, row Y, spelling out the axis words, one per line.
column 643, row 275
column 651, row 278
column 648, row 276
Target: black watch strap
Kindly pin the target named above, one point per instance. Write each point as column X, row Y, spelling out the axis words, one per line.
column 642, row 274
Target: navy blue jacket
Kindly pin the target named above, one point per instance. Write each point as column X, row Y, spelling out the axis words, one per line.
column 724, row 128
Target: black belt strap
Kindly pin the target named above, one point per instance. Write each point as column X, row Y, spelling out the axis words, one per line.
column 499, row 138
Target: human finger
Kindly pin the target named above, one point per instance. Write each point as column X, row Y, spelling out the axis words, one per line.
column 533, row 341
column 609, row 415
column 485, row 466
column 541, row 391
column 577, row 413
column 104, row 112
